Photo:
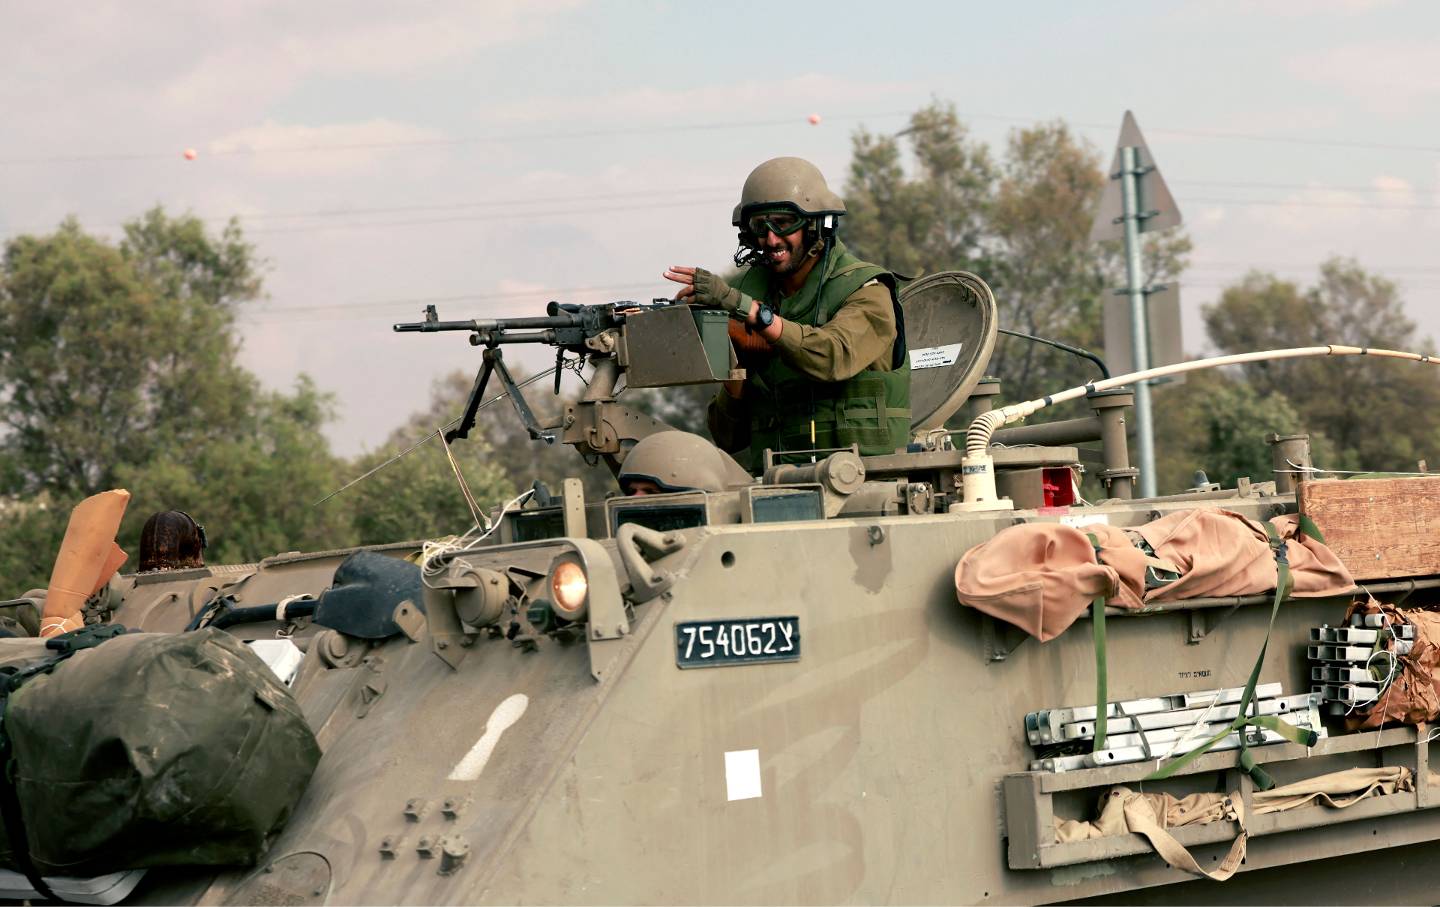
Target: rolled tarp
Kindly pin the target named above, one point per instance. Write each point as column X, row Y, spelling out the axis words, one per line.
column 88, row 558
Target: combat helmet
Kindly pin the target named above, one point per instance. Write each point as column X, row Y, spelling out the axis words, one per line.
column 787, row 181
column 679, row 461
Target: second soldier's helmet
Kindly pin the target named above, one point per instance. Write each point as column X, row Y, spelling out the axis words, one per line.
column 787, row 182
column 677, row 461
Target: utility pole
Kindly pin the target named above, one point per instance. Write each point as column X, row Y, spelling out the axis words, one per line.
column 1137, row 201
column 1139, row 325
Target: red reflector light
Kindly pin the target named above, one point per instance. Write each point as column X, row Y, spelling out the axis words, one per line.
column 1059, row 486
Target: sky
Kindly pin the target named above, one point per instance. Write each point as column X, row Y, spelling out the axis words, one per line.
column 487, row 157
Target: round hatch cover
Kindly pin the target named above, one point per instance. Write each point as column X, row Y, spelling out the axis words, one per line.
column 950, row 333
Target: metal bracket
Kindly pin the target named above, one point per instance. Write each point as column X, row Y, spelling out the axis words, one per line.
column 494, row 362
column 447, row 635
column 608, row 622
column 1000, row 638
column 409, row 619
column 645, row 581
column 1203, row 622
column 572, row 496
column 372, row 689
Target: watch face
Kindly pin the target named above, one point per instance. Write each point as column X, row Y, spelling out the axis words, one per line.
column 765, row 316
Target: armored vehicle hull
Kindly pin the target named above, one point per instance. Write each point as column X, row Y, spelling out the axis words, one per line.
column 773, row 693
column 885, row 763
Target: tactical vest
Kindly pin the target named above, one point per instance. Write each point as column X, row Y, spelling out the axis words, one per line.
column 871, row 409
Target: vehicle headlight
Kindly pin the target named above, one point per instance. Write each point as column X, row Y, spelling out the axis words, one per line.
column 569, row 589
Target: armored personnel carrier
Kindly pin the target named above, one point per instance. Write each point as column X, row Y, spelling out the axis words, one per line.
column 772, row 692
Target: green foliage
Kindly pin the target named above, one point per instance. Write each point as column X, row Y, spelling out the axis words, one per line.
column 255, row 490
column 30, row 534
column 1378, row 413
column 118, row 369
column 1217, row 421
column 1020, row 220
column 934, row 220
column 110, row 355
column 418, row 495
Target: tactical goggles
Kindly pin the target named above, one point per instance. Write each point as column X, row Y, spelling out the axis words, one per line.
column 781, row 223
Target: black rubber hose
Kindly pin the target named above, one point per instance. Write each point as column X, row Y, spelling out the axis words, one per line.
column 258, row 613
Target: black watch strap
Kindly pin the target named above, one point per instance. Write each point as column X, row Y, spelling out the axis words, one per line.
column 764, row 316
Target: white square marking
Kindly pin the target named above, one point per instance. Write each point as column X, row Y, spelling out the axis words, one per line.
column 742, row 774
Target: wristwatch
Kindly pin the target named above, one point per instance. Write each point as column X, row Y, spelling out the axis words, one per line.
column 764, row 317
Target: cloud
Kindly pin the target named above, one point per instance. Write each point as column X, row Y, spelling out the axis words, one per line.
column 725, row 101
column 1393, row 77
column 1256, row 11
column 227, row 63
column 351, row 148
column 362, row 42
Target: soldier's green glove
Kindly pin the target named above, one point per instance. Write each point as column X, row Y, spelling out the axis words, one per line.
column 713, row 292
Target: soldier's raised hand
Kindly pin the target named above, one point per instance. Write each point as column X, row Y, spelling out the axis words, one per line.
column 709, row 290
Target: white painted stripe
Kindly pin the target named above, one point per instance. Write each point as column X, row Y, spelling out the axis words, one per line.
column 505, row 714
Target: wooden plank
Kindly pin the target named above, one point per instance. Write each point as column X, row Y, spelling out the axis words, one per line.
column 1129, row 773
column 1129, row 844
column 1224, row 831
column 1379, row 528
column 1029, row 821
column 1316, row 816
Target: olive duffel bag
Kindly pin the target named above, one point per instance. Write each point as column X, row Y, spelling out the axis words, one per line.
column 132, row 750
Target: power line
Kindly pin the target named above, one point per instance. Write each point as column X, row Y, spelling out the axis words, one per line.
column 527, row 201
column 516, row 202
column 462, row 206
column 1292, row 266
column 1262, row 203
column 668, row 129
column 501, row 138
column 546, row 293
column 507, row 216
column 704, row 201
column 694, row 201
column 1314, row 187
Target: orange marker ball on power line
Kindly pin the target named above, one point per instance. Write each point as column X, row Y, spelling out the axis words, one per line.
column 191, row 154
column 814, row 119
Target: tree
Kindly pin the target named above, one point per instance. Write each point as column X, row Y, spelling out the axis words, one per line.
column 1379, row 413
column 418, row 495
column 253, row 490
column 1217, row 421
column 118, row 368
column 110, row 355
column 1022, row 223
column 937, row 219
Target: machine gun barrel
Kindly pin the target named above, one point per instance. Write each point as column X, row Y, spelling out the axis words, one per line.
column 495, row 326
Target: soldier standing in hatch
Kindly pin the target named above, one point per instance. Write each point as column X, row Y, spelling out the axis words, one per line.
column 836, row 372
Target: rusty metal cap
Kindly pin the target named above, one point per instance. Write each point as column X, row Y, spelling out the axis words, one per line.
column 171, row 540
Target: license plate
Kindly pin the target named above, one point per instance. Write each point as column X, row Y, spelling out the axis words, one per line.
column 713, row 643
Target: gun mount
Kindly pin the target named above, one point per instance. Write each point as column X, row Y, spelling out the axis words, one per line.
column 656, row 344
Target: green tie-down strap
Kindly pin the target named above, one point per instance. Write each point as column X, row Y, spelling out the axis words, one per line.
column 1304, row 737
column 1097, row 622
column 1307, row 529
column 1102, row 697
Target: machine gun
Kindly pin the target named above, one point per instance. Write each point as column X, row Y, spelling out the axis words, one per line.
column 657, row 344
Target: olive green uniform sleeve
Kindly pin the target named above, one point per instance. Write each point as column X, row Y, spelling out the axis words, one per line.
column 860, row 336
column 729, row 422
